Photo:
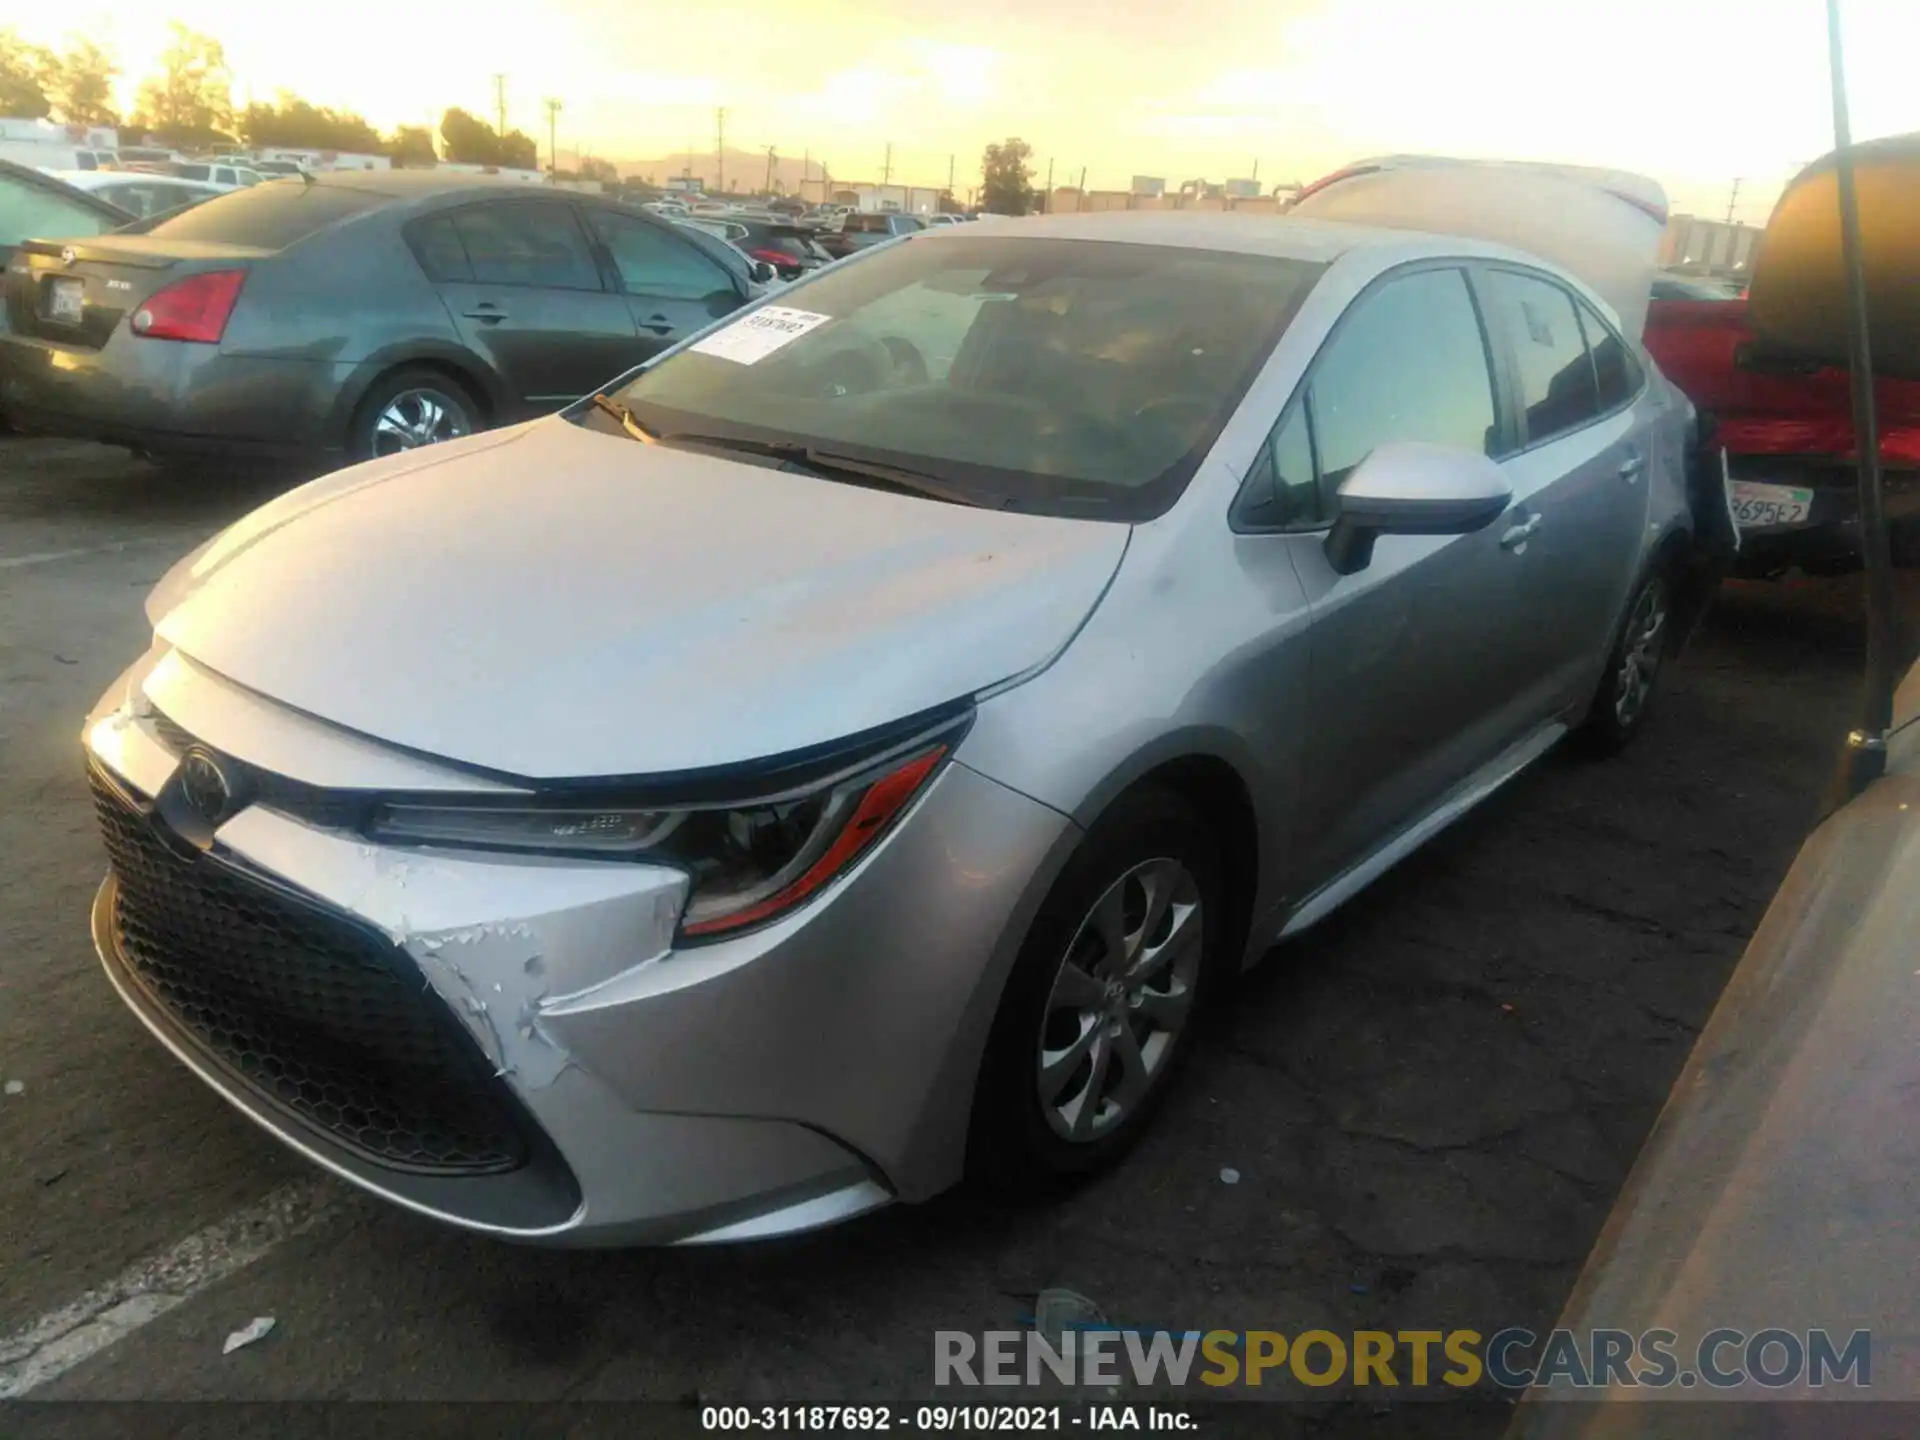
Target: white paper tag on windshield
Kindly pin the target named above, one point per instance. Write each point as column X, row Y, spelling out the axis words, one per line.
column 752, row 338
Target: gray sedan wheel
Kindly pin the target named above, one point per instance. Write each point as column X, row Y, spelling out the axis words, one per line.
column 412, row 409
column 1104, row 1000
column 1121, row 998
column 1640, row 651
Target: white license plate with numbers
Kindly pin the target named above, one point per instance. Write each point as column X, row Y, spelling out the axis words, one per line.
column 1765, row 507
column 66, row 300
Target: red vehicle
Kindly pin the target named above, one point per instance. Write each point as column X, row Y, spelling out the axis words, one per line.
column 1788, row 427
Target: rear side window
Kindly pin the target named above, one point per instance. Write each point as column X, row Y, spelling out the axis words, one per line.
column 1618, row 372
column 862, row 224
column 527, row 243
column 436, row 244
column 1408, row 363
column 194, row 172
column 268, row 217
column 1551, row 364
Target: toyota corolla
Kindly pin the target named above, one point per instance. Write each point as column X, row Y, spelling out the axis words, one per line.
column 851, row 751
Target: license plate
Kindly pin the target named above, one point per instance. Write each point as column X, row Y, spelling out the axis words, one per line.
column 1763, row 507
column 66, row 300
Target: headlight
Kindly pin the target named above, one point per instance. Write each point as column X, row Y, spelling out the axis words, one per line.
column 748, row 863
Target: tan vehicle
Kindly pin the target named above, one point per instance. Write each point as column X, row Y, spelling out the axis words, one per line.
column 1768, row 1234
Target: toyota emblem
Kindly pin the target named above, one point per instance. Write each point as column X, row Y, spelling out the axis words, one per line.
column 66, row 256
column 205, row 787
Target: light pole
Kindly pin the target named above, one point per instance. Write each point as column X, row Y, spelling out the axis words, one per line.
column 553, row 131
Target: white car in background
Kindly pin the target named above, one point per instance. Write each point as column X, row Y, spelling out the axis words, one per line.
column 221, row 177
column 139, row 194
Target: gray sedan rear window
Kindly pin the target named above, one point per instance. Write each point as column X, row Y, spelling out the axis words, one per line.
column 270, row 216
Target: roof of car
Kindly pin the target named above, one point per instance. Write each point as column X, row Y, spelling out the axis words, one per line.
column 1282, row 236
column 413, row 184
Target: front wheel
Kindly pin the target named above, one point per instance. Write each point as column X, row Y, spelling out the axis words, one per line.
column 1103, row 1001
column 1639, row 652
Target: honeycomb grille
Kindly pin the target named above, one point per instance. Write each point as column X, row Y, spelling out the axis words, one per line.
column 313, row 1012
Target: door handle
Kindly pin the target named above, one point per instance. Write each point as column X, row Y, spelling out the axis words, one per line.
column 1516, row 536
column 1631, row 467
column 658, row 324
column 486, row 312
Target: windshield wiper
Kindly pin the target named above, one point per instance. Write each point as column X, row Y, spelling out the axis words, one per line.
column 829, row 465
column 626, row 418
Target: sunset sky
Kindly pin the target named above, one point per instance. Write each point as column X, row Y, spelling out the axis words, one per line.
column 1695, row 93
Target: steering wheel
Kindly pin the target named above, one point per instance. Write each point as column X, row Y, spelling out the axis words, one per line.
column 909, row 365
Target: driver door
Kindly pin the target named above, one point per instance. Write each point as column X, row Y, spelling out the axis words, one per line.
column 671, row 289
column 1418, row 659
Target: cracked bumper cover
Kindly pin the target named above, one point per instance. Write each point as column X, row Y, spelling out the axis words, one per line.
column 780, row 1081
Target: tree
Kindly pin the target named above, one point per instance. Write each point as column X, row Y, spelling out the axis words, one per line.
column 294, row 124
column 188, row 102
column 601, row 170
column 23, row 76
column 467, row 139
column 1006, row 181
column 80, row 84
column 412, row 145
column 518, row 152
column 947, row 205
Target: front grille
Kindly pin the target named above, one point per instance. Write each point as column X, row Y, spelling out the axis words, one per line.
column 323, row 1018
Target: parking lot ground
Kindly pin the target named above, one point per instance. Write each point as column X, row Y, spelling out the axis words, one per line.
column 1429, row 1102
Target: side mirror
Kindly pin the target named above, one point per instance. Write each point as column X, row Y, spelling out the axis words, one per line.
column 1408, row 488
column 763, row 273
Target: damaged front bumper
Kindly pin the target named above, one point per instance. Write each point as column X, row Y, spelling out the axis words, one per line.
column 614, row 1091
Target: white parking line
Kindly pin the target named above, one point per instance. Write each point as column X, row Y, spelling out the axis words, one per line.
column 43, row 557
column 62, row 1338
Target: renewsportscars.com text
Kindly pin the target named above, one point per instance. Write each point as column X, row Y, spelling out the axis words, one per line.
column 1511, row 1359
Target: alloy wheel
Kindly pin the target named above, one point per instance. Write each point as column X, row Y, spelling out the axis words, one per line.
column 1640, row 653
column 417, row 417
column 1122, row 996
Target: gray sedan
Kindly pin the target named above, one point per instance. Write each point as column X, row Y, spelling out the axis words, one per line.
column 350, row 316
column 856, row 748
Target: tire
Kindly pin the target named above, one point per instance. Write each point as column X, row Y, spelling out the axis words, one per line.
column 410, row 399
column 1641, row 646
column 1036, row 1131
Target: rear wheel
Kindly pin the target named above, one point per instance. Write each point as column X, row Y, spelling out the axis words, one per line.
column 1639, row 653
column 409, row 409
column 1103, row 1002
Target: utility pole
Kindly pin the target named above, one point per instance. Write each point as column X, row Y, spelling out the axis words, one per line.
column 1733, row 199
column 770, row 161
column 1047, row 204
column 500, row 103
column 720, row 151
column 1083, row 181
column 886, row 171
column 553, row 135
column 949, row 174
column 1256, row 172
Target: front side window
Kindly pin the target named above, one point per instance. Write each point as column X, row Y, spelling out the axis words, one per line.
column 1407, row 363
column 1552, row 368
column 527, row 243
column 1063, row 376
column 651, row 262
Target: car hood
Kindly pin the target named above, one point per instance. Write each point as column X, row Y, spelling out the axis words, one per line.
column 554, row 602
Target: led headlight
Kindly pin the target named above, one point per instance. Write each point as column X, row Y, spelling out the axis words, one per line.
column 748, row 863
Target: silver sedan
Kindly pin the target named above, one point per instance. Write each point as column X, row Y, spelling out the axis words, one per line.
column 853, row 749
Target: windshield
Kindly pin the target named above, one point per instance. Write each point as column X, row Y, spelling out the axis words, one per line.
column 1066, row 377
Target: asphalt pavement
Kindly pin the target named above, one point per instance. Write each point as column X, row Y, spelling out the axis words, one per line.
column 1427, row 1104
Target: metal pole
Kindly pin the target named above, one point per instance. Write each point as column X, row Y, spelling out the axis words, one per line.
column 886, row 173
column 720, row 151
column 769, row 169
column 1047, row 206
column 500, row 104
column 1733, row 199
column 1866, row 753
